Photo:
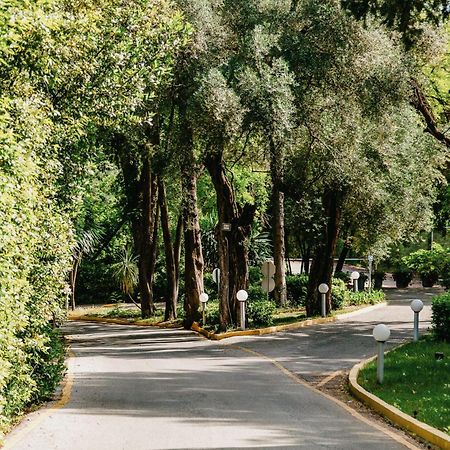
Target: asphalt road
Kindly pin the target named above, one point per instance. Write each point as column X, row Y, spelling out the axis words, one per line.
column 146, row 388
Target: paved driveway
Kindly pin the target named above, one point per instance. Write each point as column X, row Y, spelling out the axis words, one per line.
column 145, row 388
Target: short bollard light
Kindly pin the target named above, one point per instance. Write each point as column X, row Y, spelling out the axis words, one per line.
column 323, row 289
column 416, row 306
column 204, row 299
column 242, row 296
column 354, row 276
column 381, row 334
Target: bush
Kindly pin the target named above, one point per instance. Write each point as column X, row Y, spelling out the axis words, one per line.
column 255, row 292
column 297, row 288
column 441, row 317
column 210, row 286
column 344, row 276
column 260, row 312
column 340, row 295
column 212, row 313
column 366, row 298
column 402, row 277
column 254, row 275
column 428, row 263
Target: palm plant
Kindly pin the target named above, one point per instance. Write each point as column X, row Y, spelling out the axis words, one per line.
column 126, row 273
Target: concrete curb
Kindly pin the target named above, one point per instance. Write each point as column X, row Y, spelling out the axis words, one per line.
column 218, row 337
column 260, row 331
column 275, row 329
column 122, row 322
column 398, row 417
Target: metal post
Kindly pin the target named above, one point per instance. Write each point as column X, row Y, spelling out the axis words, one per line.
column 416, row 326
column 380, row 362
column 355, row 285
column 324, row 304
column 370, row 276
column 204, row 313
column 242, row 304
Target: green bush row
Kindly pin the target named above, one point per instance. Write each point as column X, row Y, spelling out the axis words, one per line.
column 441, row 316
column 35, row 257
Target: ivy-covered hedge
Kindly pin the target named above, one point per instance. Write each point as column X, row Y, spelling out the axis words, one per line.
column 35, row 243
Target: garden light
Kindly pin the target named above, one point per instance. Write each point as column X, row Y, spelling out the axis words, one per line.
column 242, row 296
column 381, row 334
column 416, row 306
column 323, row 289
column 203, row 299
column 354, row 276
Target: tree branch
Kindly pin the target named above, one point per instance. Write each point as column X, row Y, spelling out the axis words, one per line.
column 421, row 104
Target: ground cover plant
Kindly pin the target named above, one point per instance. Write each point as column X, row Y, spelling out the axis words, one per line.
column 415, row 381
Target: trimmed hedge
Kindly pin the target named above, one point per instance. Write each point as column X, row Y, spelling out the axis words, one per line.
column 261, row 312
column 441, row 317
column 297, row 288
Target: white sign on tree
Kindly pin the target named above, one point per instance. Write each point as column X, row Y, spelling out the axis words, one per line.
column 268, row 271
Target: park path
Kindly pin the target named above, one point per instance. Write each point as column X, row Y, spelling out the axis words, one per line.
column 146, row 388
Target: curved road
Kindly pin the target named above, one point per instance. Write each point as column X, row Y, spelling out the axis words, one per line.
column 146, row 388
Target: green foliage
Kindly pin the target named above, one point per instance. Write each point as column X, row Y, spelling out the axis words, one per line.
column 402, row 277
column 428, row 263
column 124, row 313
column 210, row 286
column 366, row 298
column 255, row 292
column 344, row 276
column 441, row 316
column 297, row 288
column 340, row 295
column 126, row 272
column 260, row 312
column 212, row 313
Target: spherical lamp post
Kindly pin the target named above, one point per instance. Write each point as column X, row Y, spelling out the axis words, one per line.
column 381, row 334
column 354, row 276
column 416, row 306
column 242, row 296
column 203, row 300
column 323, row 289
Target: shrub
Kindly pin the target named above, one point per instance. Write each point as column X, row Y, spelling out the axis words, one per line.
column 261, row 312
column 254, row 275
column 344, row 276
column 366, row 298
column 210, row 286
column 255, row 292
column 402, row 277
column 441, row 316
column 212, row 313
column 427, row 263
column 340, row 295
column 297, row 288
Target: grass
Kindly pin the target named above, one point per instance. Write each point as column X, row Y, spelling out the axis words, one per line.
column 415, row 382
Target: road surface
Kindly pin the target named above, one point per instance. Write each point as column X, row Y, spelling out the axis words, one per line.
column 147, row 388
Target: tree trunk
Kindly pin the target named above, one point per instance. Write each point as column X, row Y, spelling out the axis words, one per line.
column 306, row 258
column 233, row 253
column 145, row 238
column 288, row 256
column 171, row 271
column 141, row 193
column 276, row 170
column 322, row 266
column 193, row 256
column 345, row 249
column 177, row 249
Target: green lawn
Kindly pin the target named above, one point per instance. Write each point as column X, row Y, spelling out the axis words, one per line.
column 415, row 382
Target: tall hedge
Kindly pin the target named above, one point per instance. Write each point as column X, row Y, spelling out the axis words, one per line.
column 35, row 241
